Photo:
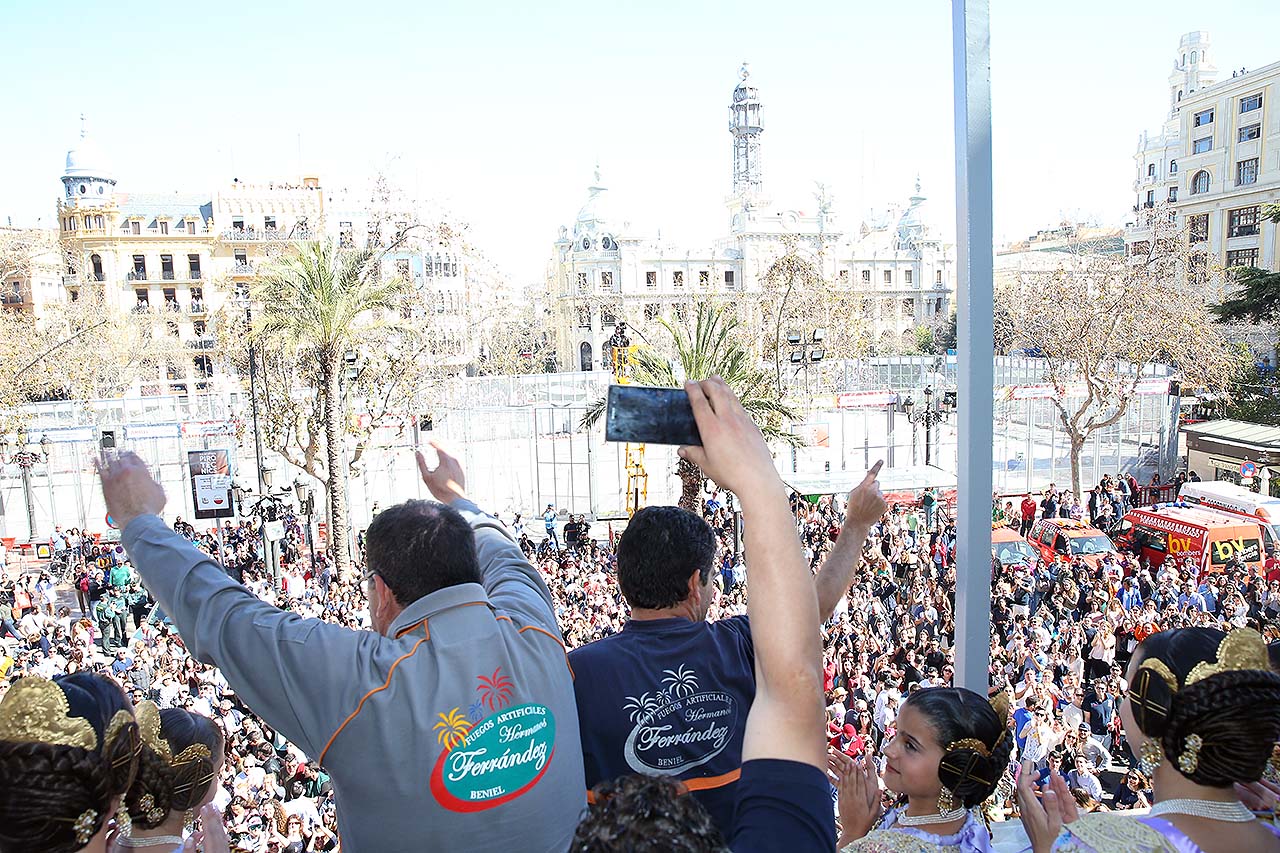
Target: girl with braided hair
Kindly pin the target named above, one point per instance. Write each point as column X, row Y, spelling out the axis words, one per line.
column 949, row 753
column 1202, row 714
column 182, row 754
column 68, row 752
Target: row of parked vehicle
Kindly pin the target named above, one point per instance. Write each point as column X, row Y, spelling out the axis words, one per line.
column 1210, row 524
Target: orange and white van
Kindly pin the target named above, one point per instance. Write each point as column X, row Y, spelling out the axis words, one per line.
column 1206, row 537
column 1062, row 539
column 1010, row 549
column 1237, row 500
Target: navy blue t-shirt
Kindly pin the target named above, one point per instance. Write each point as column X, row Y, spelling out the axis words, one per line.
column 668, row 697
column 783, row 805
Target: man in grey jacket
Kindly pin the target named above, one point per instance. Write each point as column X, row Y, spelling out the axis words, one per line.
column 450, row 726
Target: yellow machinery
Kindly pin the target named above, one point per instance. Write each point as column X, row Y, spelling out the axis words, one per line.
column 637, row 478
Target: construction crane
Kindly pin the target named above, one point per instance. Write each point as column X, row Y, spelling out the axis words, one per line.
column 622, row 357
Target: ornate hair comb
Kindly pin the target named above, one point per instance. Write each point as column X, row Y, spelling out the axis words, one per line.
column 36, row 711
column 970, row 743
column 1243, row 648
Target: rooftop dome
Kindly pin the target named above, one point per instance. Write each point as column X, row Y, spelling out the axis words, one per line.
column 86, row 159
column 912, row 223
column 594, row 213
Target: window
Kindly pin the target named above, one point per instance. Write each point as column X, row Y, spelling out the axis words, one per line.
column 135, row 227
column 1242, row 222
column 1249, row 131
column 1198, row 267
column 1249, row 103
column 1141, row 247
column 164, row 227
column 677, row 278
column 584, row 317
column 1173, row 193
column 237, row 225
column 728, row 279
column 373, row 235
column 608, row 317
column 908, row 308
column 193, row 264
column 651, row 279
column 1200, row 183
column 704, row 278
column 1151, row 198
column 96, row 261
column 75, row 294
column 191, row 226
column 269, row 223
column 844, row 277
column 866, row 276
column 1199, row 227
column 888, row 276
column 937, row 276
column 651, row 311
column 139, row 268
column 143, row 296
column 1247, row 172
column 937, row 305
column 166, row 267
column 606, row 280
column 1151, row 170
column 1173, row 167
column 346, row 236
column 1202, row 118
column 1242, row 257
column 1202, row 145
column 582, row 281
column 204, row 366
column 402, row 268
column 907, row 276
column 682, row 313
column 242, row 258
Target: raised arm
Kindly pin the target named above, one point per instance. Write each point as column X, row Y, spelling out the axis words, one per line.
column 511, row 581
column 786, row 717
column 866, row 506
column 269, row 656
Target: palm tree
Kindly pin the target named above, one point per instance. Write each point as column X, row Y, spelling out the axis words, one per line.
column 318, row 302
column 712, row 347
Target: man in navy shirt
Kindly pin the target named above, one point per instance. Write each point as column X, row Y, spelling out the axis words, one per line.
column 669, row 694
column 782, row 793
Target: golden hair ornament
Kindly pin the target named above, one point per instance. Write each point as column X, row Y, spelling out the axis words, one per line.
column 35, row 710
column 148, row 716
column 970, row 743
column 1243, row 648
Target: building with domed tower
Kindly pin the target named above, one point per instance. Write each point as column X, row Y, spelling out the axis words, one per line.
column 604, row 271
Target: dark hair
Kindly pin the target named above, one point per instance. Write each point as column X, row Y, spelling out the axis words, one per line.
column 418, row 547
column 645, row 814
column 174, row 789
column 661, row 547
column 1236, row 713
column 957, row 714
column 45, row 787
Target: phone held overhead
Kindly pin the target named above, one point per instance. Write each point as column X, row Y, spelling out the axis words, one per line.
column 636, row 413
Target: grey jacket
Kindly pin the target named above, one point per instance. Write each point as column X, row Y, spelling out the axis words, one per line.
column 458, row 731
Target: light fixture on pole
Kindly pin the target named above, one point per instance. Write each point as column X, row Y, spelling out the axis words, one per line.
column 930, row 416
column 306, row 506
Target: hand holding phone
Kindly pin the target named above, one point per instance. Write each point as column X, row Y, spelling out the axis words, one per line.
column 643, row 414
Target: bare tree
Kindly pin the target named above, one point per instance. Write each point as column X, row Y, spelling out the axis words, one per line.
column 1098, row 320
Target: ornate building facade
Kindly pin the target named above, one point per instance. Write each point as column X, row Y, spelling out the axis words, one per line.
column 603, row 271
column 1216, row 160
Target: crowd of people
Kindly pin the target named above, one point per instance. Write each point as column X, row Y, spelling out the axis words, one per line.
column 1107, row 679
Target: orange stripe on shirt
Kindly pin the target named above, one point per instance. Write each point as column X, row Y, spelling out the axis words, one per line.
column 701, row 783
column 384, row 686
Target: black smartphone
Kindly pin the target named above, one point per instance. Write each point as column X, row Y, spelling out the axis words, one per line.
column 651, row 415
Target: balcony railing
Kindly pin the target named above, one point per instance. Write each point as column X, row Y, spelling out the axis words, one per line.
column 143, row 307
column 253, row 235
column 10, row 298
column 136, row 275
column 197, row 307
column 69, row 280
column 194, row 275
column 201, row 343
column 172, row 306
column 166, row 275
column 245, row 268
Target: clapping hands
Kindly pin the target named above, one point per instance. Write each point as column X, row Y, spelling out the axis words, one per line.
column 859, row 790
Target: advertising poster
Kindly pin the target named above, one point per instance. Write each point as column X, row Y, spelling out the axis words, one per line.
column 210, row 472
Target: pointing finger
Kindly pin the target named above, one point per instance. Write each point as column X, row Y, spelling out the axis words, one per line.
column 873, row 473
column 422, row 464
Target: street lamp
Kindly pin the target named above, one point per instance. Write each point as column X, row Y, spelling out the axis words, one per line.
column 930, row 416
column 807, row 350
column 306, row 506
column 26, row 460
column 243, row 300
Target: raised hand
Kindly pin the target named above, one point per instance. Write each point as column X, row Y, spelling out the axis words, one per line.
column 446, row 481
column 866, row 503
column 859, row 790
column 733, row 452
column 1043, row 817
column 128, row 488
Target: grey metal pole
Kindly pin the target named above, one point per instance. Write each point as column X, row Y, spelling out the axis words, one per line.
column 971, row 45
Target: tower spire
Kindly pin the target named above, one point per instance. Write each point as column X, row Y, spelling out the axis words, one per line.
column 84, row 126
column 745, row 126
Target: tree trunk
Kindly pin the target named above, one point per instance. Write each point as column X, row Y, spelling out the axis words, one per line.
column 1077, row 445
column 336, row 485
column 691, row 481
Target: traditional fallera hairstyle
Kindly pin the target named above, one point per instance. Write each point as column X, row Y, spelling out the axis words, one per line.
column 1210, row 701
column 176, row 769
column 975, row 737
column 68, row 748
column 645, row 814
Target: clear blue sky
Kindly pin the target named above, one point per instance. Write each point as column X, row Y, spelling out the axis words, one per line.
column 499, row 110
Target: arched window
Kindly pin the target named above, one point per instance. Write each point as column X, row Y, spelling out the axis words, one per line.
column 1193, row 57
column 1179, row 94
column 96, row 261
column 584, row 356
column 1200, row 183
